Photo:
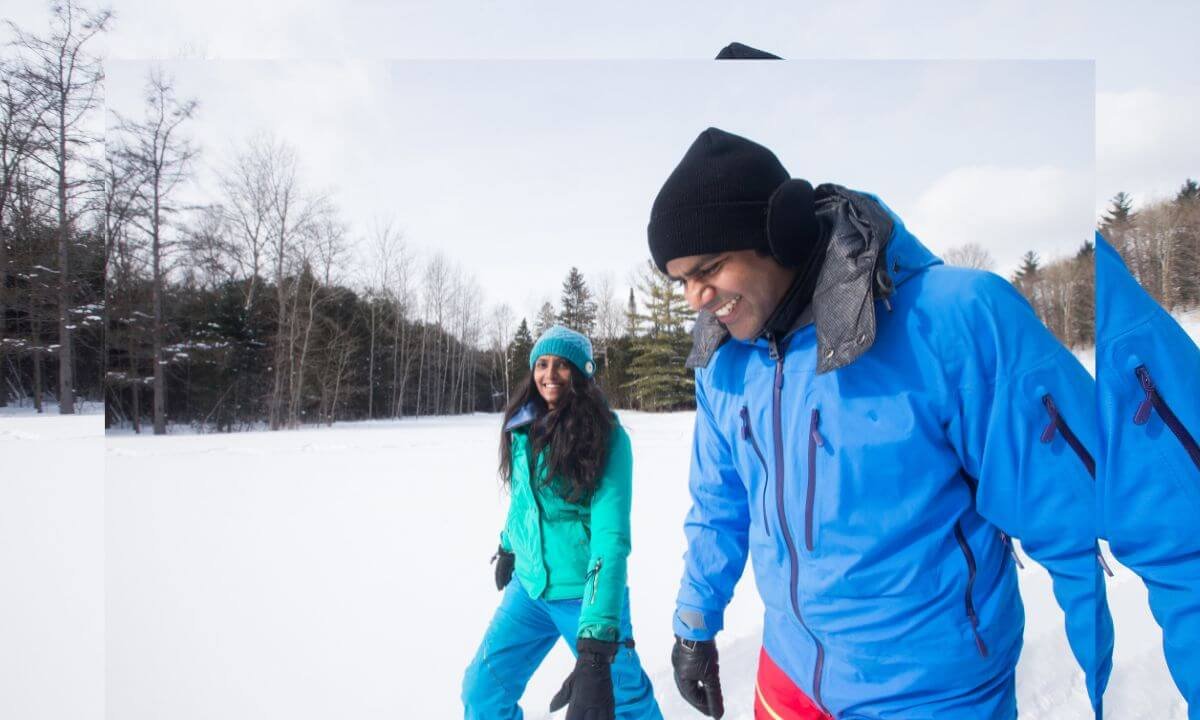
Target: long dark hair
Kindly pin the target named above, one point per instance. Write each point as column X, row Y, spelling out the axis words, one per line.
column 576, row 433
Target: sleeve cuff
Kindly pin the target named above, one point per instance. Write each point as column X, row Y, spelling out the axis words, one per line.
column 607, row 633
column 692, row 624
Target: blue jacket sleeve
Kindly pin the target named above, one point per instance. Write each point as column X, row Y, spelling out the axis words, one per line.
column 1025, row 428
column 717, row 530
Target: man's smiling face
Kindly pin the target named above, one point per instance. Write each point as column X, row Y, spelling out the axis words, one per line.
column 741, row 287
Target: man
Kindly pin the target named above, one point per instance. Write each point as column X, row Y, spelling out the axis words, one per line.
column 872, row 426
column 1148, row 375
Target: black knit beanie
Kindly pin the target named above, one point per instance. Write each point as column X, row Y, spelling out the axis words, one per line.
column 729, row 193
column 738, row 51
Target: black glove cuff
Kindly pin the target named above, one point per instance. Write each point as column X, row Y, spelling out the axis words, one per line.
column 603, row 648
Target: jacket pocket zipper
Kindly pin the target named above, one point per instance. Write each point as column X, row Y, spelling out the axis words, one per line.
column 970, row 602
column 1156, row 401
column 1059, row 423
column 748, row 435
column 814, row 441
column 593, row 576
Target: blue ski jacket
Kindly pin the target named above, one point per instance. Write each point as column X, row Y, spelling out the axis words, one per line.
column 878, row 499
column 1148, row 377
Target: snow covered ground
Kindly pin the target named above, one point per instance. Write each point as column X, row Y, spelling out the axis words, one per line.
column 344, row 572
column 51, row 565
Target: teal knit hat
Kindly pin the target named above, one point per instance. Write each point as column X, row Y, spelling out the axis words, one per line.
column 567, row 343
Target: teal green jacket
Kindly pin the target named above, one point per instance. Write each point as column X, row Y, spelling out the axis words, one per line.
column 567, row 550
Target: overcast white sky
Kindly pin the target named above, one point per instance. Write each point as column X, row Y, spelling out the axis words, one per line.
column 521, row 169
column 1148, row 111
column 1147, row 105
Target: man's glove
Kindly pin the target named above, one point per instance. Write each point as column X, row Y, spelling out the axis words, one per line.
column 697, row 675
column 588, row 690
column 504, row 566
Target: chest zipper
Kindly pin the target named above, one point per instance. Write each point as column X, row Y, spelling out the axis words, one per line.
column 814, row 441
column 747, row 434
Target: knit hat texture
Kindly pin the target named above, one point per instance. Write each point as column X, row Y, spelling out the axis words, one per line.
column 566, row 343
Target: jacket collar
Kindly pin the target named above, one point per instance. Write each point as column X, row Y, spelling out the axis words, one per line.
column 523, row 418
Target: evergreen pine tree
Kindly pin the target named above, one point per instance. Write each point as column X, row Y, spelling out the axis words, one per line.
column 545, row 320
column 1120, row 215
column 633, row 324
column 660, row 379
column 1189, row 192
column 518, row 353
column 1030, row 263
column 578, row 309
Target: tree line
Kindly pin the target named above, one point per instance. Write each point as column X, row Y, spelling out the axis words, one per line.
column 249, row 301
column 250, row 308
column 1160, row 243
column 52, row 210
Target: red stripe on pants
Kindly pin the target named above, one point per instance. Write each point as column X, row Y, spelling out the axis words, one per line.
column 776, row 697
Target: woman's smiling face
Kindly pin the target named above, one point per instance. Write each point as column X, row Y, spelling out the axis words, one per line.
column 552, row 377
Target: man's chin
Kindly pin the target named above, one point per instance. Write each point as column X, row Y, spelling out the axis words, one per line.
column 737, row 331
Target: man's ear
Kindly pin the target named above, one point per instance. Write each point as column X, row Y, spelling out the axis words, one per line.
column 792, row 226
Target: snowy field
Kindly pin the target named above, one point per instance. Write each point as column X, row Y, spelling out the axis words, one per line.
column 344, row 573
column 51, row 565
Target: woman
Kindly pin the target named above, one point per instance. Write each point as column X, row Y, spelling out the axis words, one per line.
column 568, row 465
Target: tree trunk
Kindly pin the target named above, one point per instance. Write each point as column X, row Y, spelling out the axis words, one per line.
column 371, row 368
column 160, row 385
column 3, row 309
column 66, row 361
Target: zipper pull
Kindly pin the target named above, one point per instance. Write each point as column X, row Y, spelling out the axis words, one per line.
column 1004, row 538
column 1143, row 412
column 1048, row 432
column 816, row 434
column 745, row 423
column 594, row 576
column 772, row 347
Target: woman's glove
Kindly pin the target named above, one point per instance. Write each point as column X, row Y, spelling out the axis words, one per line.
column 588, row 690
column 505, row 561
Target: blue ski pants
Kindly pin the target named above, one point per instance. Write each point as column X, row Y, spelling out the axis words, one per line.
column 521, row 634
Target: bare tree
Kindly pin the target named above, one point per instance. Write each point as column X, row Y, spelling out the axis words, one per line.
column 20, row 121
column 67, row 80
column 274, row 212
column 209, row 249
column 384, row 244
column 246, row 191
column 155, row 147
column 970, row 255
column 501, row 325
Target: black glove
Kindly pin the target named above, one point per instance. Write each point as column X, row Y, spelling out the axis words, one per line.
column 504, row 566
column 697, row 675
column 589, row 687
